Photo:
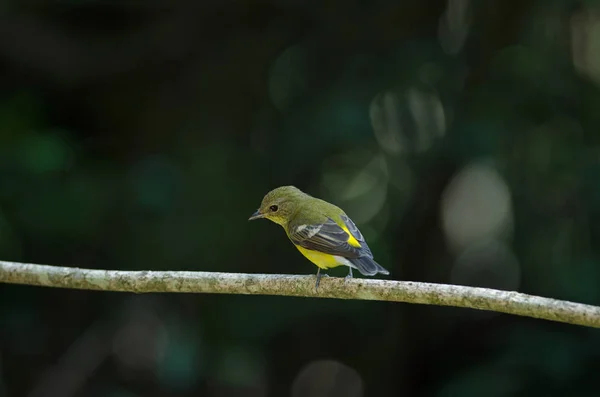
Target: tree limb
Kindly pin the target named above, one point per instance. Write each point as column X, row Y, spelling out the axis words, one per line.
column 289, row 285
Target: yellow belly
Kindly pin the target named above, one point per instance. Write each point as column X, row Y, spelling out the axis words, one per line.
column 324, row 261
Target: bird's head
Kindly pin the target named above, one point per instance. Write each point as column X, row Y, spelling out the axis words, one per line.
column 279, row 204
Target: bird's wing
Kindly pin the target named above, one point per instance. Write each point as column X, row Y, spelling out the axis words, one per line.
column 330, row 238
column 356, row 234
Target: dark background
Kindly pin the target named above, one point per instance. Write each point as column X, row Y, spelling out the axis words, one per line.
column 461, row 136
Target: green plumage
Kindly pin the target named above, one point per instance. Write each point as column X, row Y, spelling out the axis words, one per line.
column 321, row 231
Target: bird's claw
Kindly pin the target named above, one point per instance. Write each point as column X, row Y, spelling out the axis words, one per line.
column 349, row 276
column 319, row 275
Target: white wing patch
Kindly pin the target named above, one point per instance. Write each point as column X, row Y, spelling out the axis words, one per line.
column 313, row 231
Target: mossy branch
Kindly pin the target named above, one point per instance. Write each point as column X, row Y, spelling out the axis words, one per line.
column 304, row 286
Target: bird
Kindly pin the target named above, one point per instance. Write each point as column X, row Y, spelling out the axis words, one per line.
column 321, row 231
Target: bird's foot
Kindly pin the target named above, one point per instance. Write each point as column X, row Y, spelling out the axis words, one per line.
column 318, row 281
column 349, row 276
column 319, row 275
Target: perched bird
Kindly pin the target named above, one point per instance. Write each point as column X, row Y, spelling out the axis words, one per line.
column 322, row 232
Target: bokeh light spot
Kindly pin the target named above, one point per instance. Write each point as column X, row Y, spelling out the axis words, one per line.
column 44, row 153
column 384, row 112
column 140, row 342
column 490, row 264
column 585, row 41
column 476, row 205
column 408, row 123
column 241, row 367
column 288, row 75
column 429, row 117
column 327, row 378
column 454, row 26
column 179, row 368
column 361, row 192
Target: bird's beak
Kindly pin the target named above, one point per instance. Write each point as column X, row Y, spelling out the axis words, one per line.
column 256, row 215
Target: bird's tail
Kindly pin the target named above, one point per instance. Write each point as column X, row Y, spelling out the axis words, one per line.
column 367, row 266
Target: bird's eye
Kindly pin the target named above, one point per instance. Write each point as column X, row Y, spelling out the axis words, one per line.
column 273, row 208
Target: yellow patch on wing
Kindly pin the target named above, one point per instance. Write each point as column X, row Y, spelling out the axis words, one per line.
column 322, row 260
column 351, row 240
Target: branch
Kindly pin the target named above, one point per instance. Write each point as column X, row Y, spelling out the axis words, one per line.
column 288, row 285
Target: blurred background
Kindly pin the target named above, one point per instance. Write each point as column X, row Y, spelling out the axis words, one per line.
column 461, row 136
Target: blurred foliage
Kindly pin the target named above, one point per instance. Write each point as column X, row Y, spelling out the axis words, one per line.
column 461, row 136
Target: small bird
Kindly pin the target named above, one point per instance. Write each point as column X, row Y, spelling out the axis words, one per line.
column 322, row 232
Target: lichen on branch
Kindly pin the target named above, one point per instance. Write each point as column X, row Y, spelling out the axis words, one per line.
column 509, row 302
